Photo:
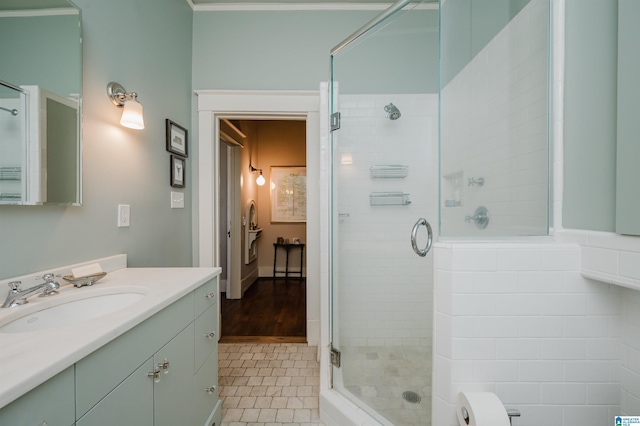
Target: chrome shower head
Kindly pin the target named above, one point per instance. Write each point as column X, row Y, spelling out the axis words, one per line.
column 393, row 113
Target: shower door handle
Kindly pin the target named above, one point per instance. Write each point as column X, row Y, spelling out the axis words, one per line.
column 414, row 235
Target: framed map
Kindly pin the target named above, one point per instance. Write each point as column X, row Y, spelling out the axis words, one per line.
column 288, row 194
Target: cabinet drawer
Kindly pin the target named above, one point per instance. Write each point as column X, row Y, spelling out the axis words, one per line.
column 205, row 342
column 52, row 402
column 104, row 369
column 206, row 392
column 206, row 295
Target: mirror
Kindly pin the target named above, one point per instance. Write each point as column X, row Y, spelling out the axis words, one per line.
column 40, row 102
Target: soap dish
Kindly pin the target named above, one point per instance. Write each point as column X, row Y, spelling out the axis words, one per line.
column 84, row 281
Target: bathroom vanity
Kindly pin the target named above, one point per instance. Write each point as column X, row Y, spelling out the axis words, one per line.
column 151, row 362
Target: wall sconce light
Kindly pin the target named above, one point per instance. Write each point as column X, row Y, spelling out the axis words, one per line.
column 260, row 180
column 132, row 114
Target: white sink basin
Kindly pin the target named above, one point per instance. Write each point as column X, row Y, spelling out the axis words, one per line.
column 68, row 310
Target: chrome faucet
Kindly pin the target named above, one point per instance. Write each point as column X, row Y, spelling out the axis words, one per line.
column 17, row 297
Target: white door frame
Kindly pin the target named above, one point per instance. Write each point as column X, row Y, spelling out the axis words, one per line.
column 213, row 104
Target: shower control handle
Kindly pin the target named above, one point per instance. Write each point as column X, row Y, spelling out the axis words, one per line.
column 414, row 236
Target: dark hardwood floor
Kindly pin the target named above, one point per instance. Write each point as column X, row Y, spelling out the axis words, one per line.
column 270, row 311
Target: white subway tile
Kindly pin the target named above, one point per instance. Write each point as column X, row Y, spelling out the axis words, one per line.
column 629, row 264
column 631, row 382
column 601, row 260
column 564, row 304
column 495, row 371
column 518, row 349
column 519, row 304
column 587, row 326
column 541, row 282
column 587, row 415
column 563, row 393
column 603, row 393
column 474, row 260
column 480, row 304
column 518, row 393
column 586, row 371
column 462, row 371
column 473, row 349
column 564, row 259
column 541, row 326
column 495, row 326
column 495, row 282
column 541, row 371
column 463, row 326
column 567, row 349
column 604, row 304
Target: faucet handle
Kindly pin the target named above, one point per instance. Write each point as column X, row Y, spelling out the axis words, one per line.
column 49, row 276
column 15, row 285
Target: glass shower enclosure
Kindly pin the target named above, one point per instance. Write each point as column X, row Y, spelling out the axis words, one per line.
column 440, row 115
column 384, row 187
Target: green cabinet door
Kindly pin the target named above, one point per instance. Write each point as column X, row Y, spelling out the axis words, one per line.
column 53, row 403
column 130, row 403
column 173, row 393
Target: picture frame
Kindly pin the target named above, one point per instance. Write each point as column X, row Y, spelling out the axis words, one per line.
column 177, row 165
column 177, row 138
column 289, row 194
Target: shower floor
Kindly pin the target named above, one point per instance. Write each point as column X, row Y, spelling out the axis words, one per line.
column 378, row 376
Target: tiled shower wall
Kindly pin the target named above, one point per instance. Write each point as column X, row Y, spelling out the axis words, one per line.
column 384, row 290
column 494, row 126
column 11, row 135
column 521, row 321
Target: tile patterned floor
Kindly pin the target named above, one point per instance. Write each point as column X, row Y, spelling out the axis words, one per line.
column 269, row 384
column 379, row 376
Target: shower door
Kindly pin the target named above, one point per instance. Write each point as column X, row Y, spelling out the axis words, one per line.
column 384, row 191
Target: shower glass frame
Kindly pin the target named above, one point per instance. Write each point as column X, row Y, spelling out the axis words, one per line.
column 410, row 280
column 14, row 165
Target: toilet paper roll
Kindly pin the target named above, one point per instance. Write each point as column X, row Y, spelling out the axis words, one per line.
column 481, row 409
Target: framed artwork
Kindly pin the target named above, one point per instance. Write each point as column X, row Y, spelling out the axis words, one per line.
column 177, row 171
column 288, row 194
column 177, row 139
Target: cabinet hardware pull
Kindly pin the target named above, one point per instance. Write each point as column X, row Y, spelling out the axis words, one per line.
column 155, row 375
column 210, row 295
column 164, row 366
column 210, row 390
column 210, row 335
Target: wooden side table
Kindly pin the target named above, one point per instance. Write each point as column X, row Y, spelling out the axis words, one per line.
column 287, row 248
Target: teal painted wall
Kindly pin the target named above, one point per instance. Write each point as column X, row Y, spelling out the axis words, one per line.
column 146, row 46
column 628, row 126
column 401, row 57
column 30, row 48
column 591, row 33
column 467, row 27
column 289, row 50
column 268, row 50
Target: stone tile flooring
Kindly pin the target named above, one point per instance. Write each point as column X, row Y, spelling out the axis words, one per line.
column 269, row 384
column 379, row 376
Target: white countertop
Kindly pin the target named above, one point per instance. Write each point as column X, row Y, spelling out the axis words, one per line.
column 31, row 358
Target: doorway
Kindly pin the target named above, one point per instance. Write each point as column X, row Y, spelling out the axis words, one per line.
column 293, row 105
column 263, row 294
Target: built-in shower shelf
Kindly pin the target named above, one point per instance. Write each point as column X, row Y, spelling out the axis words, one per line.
column 10, row 173
column 389, row 172
column 389, row 199
column 10, row 196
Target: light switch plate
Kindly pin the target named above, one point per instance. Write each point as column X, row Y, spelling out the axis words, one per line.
column 177, row 200
column 124, row 215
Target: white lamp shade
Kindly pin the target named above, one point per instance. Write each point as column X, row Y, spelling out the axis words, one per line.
column 132, row 115
column 260, row 181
